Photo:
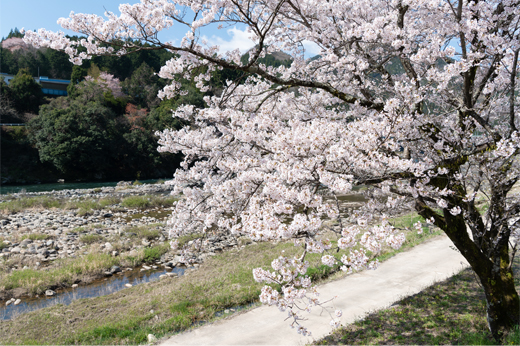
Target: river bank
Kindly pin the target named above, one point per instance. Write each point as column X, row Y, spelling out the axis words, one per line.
column 57, row 239
column 69, row 241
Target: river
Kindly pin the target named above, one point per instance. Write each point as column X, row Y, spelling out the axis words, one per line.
column 6, row 189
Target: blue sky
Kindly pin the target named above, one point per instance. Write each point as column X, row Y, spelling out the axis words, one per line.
column 35, row 14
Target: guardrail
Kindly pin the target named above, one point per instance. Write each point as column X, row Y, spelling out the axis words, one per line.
column 13, row 124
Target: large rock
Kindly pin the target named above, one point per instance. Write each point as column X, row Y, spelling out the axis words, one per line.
column 50, row 293
column 26, row 242
column 115, row 269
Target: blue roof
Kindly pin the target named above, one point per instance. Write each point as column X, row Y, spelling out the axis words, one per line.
column 47, row 79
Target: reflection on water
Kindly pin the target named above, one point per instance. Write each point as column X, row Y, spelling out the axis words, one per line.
column 62, row 186
column 99, row 288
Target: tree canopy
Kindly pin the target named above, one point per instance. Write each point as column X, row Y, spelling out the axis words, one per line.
column 25, row 92
column 271, row 152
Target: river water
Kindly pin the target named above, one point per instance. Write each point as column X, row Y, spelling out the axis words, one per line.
column 95, row 289
column 6, row 189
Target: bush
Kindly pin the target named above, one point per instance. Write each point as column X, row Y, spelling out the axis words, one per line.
column 105, row 202
column 36, row 236
column 136, row 202
column 91, row 238
column 144, row 232
column 152, row 254
column 17, row 205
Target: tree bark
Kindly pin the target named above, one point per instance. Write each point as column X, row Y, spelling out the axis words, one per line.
column 502, row 300
column 493, row 270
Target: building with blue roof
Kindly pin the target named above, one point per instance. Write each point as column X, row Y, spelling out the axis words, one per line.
column 51, row 87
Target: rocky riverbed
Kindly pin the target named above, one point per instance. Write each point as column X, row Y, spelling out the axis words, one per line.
column 36, row 239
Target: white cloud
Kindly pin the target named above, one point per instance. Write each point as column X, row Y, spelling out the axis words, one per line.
column 311, row 49
column 239, row 39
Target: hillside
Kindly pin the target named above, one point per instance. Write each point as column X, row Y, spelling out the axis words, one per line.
column 13, row 44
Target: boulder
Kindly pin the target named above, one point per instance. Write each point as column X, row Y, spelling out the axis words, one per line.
column 115, row 269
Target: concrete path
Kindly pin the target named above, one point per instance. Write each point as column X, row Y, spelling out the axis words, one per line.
column 404, row 274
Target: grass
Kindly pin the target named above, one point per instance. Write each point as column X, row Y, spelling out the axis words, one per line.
column 36, row 236
column 85, row 206
column 449, row 312
column 19, row 204
column 224, row 281
column 185, row 239
column 125, row 318
column 149, row 232
column 70, row 270
column 147, row 201
column 152, row 254
column 65, row 274
column 108, row 201
column 91, row 238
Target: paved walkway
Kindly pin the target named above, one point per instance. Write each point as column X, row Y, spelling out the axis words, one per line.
column 404, row 274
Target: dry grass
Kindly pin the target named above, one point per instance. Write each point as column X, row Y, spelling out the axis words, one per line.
column 67, row 271
column 125, row 317
column 160, row 308
column 84, row 206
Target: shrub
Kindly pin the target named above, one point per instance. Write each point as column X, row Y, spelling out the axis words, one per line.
column 36, row 236
column 136, row 202
column 154, row 253
column 91, row 238
column 144, row 232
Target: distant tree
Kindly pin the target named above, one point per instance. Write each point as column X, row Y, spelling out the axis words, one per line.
column 121, row 68
column 59, row 64
column 8, row 63
column 26, row 93
column 142, row 87
column 7, row 113
column 105, row 89
column 76, row 137
column 148, row 57
column 78, row 75
column 15, row 33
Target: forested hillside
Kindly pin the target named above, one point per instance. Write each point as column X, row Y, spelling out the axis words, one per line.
column 105, row 128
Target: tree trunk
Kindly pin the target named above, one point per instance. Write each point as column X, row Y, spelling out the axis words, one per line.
column 502, row 300
column 493, row 270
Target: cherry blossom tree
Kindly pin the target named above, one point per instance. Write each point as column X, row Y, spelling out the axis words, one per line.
column 418, row 99
column 108, row 83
